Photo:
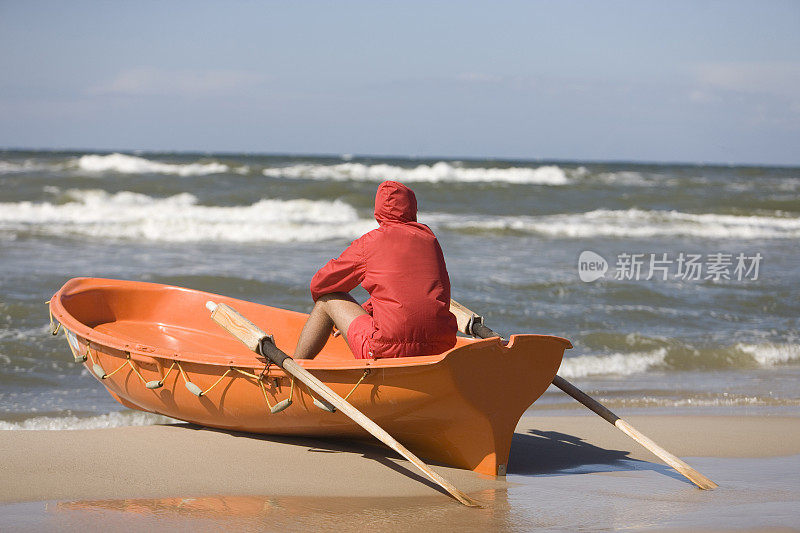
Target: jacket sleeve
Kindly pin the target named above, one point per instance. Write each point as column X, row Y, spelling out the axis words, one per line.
column 341, row 274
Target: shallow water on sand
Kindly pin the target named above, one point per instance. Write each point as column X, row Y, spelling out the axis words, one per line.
column 754, row 494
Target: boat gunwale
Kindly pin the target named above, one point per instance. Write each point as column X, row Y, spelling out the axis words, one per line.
column 145, row 352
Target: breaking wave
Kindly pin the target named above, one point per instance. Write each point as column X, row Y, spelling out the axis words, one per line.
column 634, row 223
column 438, row 172
column 110, row 420
column 10, row 167
column 724, row 400
column 128, row 164
column 678, row 357
column 614, row 364
column 768, row 355
column 178, row 218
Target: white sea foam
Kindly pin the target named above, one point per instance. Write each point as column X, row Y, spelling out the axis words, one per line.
column 110, row 420
column 129, row 215
column 628, row 177
column 768, row 355
column 724, row 400
column 789, row 184
column 128, row 164
column 633, row 223
column 25, row 333
column 178, row 218
column 438, row 172
column 10, row 167
column 622, row 364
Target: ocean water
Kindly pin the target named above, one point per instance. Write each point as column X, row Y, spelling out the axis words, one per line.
column 697, row 307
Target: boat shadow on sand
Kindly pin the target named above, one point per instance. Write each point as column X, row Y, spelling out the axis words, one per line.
column 535, row 453
column 554, row 453
column 367, row 450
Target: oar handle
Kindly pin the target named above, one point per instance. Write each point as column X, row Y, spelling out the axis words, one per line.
column 478, row 329
column 466, row 320
column 482, row 331
column 226, row 316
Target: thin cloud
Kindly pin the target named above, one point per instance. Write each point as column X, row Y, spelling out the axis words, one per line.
column 149, row 81
column 775, row 78
column 479, row 77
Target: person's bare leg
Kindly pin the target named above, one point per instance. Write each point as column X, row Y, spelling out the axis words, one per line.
column 336, row 309
column 315, row 332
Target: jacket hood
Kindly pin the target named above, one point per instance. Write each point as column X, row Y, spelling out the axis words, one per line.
column 394, row 202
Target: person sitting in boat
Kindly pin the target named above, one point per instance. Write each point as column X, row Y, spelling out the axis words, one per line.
column 402, row 267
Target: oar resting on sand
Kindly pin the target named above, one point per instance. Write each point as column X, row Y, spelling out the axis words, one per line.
column 471, row 324
column 258, row 341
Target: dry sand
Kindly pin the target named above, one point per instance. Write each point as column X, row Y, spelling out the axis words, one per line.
column 178, row 460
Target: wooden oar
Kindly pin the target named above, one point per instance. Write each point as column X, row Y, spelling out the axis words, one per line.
column 471, row 324
column 258, row 341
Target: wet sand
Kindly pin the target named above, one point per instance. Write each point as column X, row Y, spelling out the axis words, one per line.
column 584, row 472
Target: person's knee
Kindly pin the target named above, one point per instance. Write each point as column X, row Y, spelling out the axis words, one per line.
column 334, row 296
column 325, row 298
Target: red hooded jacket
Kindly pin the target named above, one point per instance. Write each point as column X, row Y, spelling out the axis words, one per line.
column 402, row 267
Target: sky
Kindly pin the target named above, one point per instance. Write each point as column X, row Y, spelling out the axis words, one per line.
column 696, row 81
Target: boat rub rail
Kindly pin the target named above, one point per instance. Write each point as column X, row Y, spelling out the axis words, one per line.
column 145, row 354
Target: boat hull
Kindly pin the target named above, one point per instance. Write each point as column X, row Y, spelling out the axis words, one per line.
column 459, row 408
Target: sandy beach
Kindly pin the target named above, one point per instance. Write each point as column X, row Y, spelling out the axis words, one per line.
column 187, row 473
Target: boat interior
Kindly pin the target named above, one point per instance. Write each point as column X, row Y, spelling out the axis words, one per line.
column 173, row 322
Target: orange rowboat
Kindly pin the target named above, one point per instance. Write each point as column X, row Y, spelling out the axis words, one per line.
column 156, row 349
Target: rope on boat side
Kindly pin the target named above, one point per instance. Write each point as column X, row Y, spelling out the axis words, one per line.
column 261, row 385
column 192, row 387
column 248, row 374
column 366, row 373
column 78, row 358
column 96, row 368
column 215, row 383
column 120, row 367
column 128, row 361
column 278, row 407
column 264, row 390
column 54, row 331
column 141, row 377
column 157, row 384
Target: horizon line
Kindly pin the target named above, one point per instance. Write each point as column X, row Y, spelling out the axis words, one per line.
column 332, row 155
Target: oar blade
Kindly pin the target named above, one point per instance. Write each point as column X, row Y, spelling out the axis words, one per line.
column 684, row 469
